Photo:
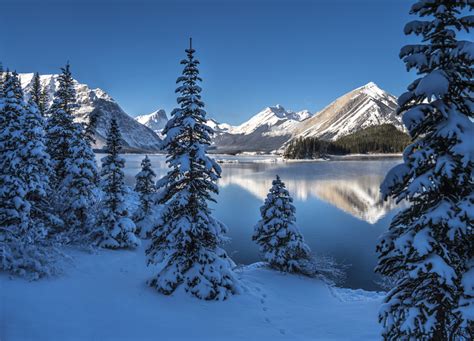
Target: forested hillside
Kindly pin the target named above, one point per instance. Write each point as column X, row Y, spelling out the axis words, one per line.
column 384, row 138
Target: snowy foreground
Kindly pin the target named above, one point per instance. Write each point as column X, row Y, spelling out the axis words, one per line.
column 104, row 297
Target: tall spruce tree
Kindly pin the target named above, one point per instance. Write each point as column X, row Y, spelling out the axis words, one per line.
column 116, row 229
column 25, row 217
column 145, row 187
column 429, row 245
column 280, row 240
column 44, row 101
column 187, row 241
column 77, row 192
column 60, row 127
column 36, row 94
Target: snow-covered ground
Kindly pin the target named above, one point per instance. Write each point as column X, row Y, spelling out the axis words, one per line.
column 103, row 296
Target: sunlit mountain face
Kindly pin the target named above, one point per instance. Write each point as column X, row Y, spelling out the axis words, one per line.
column 357, row 194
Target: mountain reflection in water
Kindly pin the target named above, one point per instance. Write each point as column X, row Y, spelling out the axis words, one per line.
column 339, row 208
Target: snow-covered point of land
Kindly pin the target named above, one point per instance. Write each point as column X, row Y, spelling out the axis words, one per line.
column 103, row 296
column 135, row 135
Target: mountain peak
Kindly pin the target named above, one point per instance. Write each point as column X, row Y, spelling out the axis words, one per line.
column 155, row 120
column 372, row 90
column 370, row 85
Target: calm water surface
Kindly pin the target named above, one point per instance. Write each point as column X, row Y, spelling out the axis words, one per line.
column 338, row 206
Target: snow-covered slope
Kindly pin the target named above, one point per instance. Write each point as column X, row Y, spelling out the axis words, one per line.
column 361, row 108
column 219, row 128
column 135, row 135
column 156, row 120
column 103, row 296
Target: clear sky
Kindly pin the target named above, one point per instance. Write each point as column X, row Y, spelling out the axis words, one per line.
column 300, row 54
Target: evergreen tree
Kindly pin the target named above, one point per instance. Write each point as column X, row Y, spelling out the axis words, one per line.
column 116, row 229
column 60, row 127
column 429, row 244
column 24, row 212
column 44, row 101
column 91, row 127
column 280, row 240
column 187, row 241
column 36, row 94
column 145, row 187
column 75, row 170
column 77, row 192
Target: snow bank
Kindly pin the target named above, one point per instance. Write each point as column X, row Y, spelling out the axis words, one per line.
column 104, row 297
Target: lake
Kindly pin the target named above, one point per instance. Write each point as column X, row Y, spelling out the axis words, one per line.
column 339, row 208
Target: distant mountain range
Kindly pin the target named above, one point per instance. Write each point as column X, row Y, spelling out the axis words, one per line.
column 270, row 130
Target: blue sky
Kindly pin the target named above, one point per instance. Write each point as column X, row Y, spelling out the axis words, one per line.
column 300, row 54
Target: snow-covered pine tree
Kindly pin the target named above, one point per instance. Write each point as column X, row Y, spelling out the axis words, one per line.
column 35, row 94
column 60, row 127
column 145, row 187
column 280, row 240
column 44, row 101
column 187, row 241
column 429, row 245
column 36, row 166
column 77, row 192
column 24, row 212
column 116, row 229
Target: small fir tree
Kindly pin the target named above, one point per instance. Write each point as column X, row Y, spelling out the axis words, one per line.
column 187, row 240
column 429, row 245
column 280, row 240
column 116, row 229
column 145, row 187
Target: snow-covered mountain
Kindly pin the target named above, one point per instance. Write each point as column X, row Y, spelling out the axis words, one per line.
column 266, row 131
column 219, row 128
column 156, row 120
column 273, row 127
column 361, row 108
column 136, row 136
column 271, row 118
